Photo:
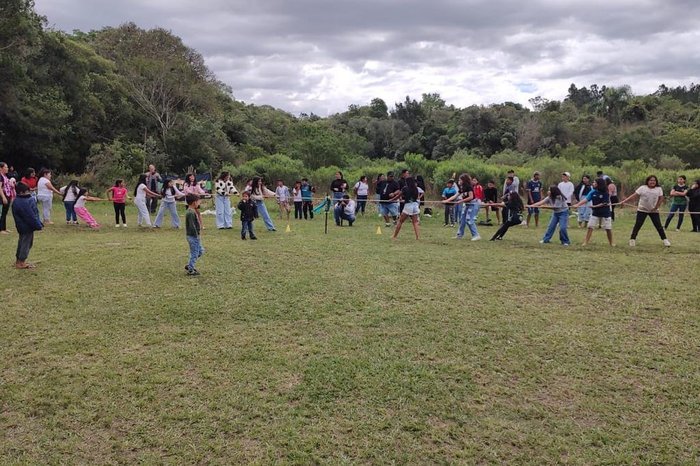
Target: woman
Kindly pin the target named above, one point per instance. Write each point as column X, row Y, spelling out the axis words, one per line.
column 469, row 212
column 338, row 187
column 411, row 207
column 7, row 195
column 258, row 194
column 140, row 193
column 581, row 191
column 224, row 190
column 44, row 194
column 651, row 196
column 30, row 180
column 513, row 208
column 556, row 201
column 192, row 187
column 361, row 190
column 170, row 195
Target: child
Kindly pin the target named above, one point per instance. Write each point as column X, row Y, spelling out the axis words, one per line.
column 679, row 202
column 70, row 195
column 82, row 211
column 26, row 215
column 169, row 194
column 449, row 191
column 411, row 208
column 491, row 197
column 650, row 198
column 601, row 214
column 118, row 197
column 556, row 201
column 140, row 193
column 298, row 200
column 258, row 194
column 282, row 194
column 513, row 205
column 307, row 192
column 192, row 231
column 249, row 212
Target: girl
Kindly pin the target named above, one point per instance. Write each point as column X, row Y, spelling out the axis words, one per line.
column 556, row 201
column 513, row 211
column 140, row 193
column 70, row 195
column 44, row 194
column 298, row 200
column 612, row 193
column 258, row 194
column 169, row 194
column 82, row 212
column 192, row 187
column 601, row 212
column 694, row 205
column 7, row 194
column 470, row 210
column 361, row 190
column 582, row 190
column 224, row 190
column 411, row 207
column 118, row 197
column 30, row 180
column 650, row 198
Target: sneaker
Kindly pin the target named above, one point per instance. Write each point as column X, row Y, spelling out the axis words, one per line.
column 116, row 226
column 667, row 243
column 678, row 229
column 633, row 243
column 565, row 244
column 476, row 238
column 387, row 225
column 124, row 226
column 253, row 237
column 193, row 272
column 243, row 238
column 542, row 241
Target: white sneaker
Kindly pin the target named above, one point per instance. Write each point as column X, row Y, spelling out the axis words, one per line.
column 125, row 225
column 116, row 226
column 667, row 243
column 476, row 238
column 633, row 243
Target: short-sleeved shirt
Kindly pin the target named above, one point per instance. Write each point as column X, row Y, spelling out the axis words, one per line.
column 408, row 196
column 535, row 189
column 559, row 204
column 466, row 191
column 141, row 192
column 306, row 192
column 491, row 194
column 118, row 195
column 595, row 197
column 191, row 223
column 680, row 200
column 388, row 188
column 43, row 187
column 449, row 192
column 362, row 188
column 648, row 198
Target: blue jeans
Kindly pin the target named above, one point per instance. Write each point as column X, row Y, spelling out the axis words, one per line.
column 247, row 226
column 561, row 219
column 468, row 218
column 70, row 211
column 262, row 211
column 172, row 208
column 584, row 213
column 339, row 213
column 196, row 250
column 680, row 208
column 224, row 214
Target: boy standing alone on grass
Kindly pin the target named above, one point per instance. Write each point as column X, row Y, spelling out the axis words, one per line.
column 27, row 221
column 192, row 230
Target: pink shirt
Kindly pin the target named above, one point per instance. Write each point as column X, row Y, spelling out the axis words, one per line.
column 193, row 189
column 119, row 195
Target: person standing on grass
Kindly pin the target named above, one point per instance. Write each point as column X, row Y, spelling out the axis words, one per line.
column 361, row 190
column 471, row 207
column 192, row 232
column 70, row 195
column 448, row 192
column 534, row 194
column 248, row 213
column 694, row 205
column 514, row 185
column 45, row 191
column 556, row 201
column 307, row 194
column 141, row 193
column 283, row 197
column 581, row 191
column 82, row 211
column 30, row 180
column 170, row 195
column 192, row 187
column 258, row 194
column 566, row 187
column 118, row 195
column 601, row 213
column 679, row 202
column 411, row 208
column 651, row 196
column 224, row 189
column 513, row 206
column 491, row 197
column 298, row 200
column 612, row 193
column 7, row 195
column 26, row 215
column 388, row 206
column 152, row 180
column 344, row 210
column 338, row 187
column 378, row 184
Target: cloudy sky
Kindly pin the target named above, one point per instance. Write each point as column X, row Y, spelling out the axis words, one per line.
column 322, row 55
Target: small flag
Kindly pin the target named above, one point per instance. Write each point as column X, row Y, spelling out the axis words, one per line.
column 289, row 229
column 379, row 230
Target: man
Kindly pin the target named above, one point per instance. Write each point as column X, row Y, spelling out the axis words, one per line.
column 534, row 194
column 515, row 184
column 566, row 187
column 344, row 210
column 152, row 180
column 389, row 192
column 600, row 174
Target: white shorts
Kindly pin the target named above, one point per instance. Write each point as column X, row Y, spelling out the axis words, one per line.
column 605, row 222
column 411, row 208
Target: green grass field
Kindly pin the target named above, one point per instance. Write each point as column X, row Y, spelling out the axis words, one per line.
column 349, row 348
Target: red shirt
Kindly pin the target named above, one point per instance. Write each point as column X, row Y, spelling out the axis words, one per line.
column 479, row 192
column 31, row 182
column 118, row 195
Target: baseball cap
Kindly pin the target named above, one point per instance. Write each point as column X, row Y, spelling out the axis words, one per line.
column 567, row 174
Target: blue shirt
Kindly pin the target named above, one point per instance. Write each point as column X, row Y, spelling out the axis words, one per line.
column 596, row 197
column 449, row 192
column 535, row 188
column 306, row 193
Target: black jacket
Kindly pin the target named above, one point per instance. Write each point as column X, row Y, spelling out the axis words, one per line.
column 248, row 211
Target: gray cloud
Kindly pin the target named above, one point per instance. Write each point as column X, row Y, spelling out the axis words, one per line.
column 321, row 56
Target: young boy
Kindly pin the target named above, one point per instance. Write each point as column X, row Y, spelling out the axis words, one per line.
column 307, row 192
column 491, row 196
column 192, row 229
column 449, row 191
column 282, row 194
column 248, row 213
column 26, row 215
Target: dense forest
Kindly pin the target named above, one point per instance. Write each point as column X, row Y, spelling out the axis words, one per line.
column 107, row 102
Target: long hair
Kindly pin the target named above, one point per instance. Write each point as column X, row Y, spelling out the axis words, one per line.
column 515, row 202
column 118, row 182
column 142, row 181
column 411, row 188
column 601, row 185
column 554, row 193
column 187, row 179
column 73, row 186
column 255, row 188
column 465, row 181
column 223, row 175
column 166, row 185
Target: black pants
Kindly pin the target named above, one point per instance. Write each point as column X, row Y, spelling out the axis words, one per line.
column 695, row 218
column 308, row 207
column 119, row 210
column 504, row 228
column 655, row 219
column 26, row 240
column 152, row 204
column 297, row 209
column 361, row 203
column 449, row 214
column 3, row 216
column 613, row 200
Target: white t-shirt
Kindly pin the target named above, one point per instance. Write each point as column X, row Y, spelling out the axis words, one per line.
column 42, row 188
column 141, row 193
column 567, row 189
column 362, row 188
column 297, row 195
column 80, row 202
column 350, row 208
column 70, row 196
column 648, row 198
